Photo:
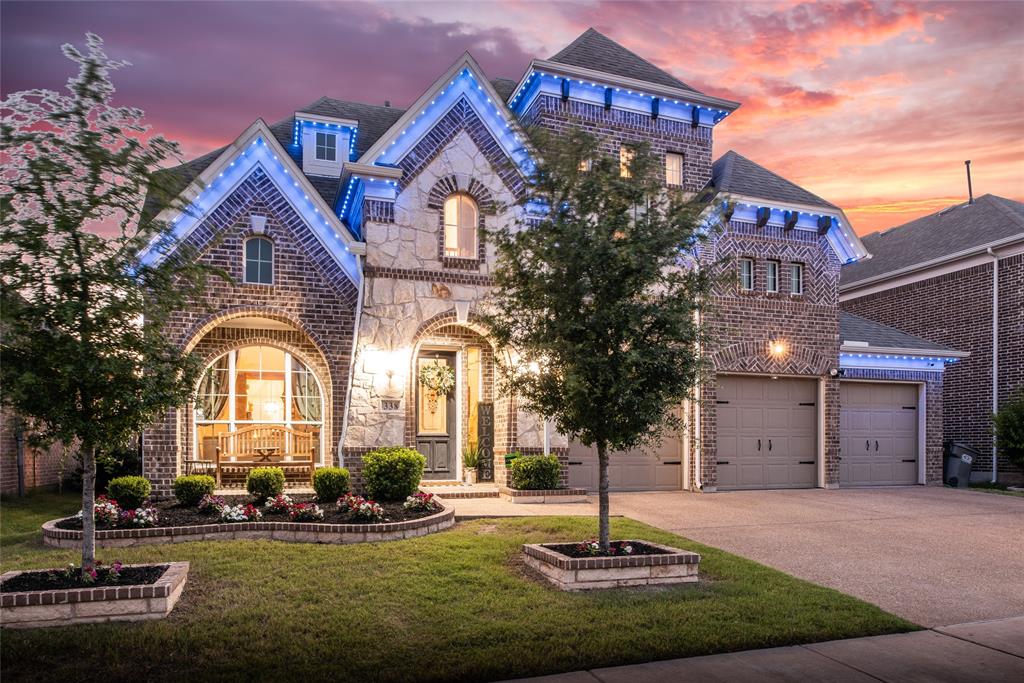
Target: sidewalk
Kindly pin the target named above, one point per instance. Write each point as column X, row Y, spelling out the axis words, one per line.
column 975, row 652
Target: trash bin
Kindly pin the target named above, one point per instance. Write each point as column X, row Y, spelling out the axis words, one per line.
column 956, row 470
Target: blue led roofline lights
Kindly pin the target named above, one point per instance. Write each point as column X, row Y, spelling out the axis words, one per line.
column 257, row 155
column 490, row 112
column 339, row 128
column 883, row 361
column 622, row 98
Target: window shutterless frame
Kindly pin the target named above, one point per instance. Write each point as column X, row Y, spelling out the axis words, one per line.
column 746, row 274
column 326, row 146
column 461, row 224
column 673, row 169
column 626, row 156
column 772, row 276
column 796, row 278
column 258, row 261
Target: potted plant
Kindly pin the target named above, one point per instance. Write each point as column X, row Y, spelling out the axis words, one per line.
column 470, row 460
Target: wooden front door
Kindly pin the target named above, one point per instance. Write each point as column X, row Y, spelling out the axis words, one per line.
column 435, row 422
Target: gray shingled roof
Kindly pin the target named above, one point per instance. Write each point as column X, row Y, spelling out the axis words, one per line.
column 959, row 228
column 857, row 329
column 504, row 87
column 593, row 50
column 737, row 174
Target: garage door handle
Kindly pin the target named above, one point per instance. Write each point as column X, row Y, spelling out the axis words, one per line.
column 867, row 445
column 723, row 462
column 575, row 462
column 759, row 444
column 769, row 444
column 876, row 444
column 672, row 462
column 807, row 462
column 909, row 459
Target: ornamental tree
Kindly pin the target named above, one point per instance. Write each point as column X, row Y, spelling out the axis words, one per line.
column 84, row 356
column 597, row 297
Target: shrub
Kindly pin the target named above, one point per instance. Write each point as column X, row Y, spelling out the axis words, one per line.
column 330, row 483
column 190, row 489
column 129, row 492
column 535, row 472
column 1008, row 425
column 264, row 482
column 393, row 473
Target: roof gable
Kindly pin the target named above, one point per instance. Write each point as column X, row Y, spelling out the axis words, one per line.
column 735, row 173
column 594, row 50
column 259, row 147
column 464, row 80
column 854, row 328
column 950, row 233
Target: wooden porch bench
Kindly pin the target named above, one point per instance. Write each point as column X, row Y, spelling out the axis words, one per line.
column 265, row 446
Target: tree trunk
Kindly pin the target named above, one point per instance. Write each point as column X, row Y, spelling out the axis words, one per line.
column 602, row 494
column 88, row 500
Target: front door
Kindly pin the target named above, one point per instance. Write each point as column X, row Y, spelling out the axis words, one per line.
column 435, row 421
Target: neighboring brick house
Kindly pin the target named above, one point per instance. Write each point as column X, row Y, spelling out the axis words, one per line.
column 941, row 277
column 351, row 232
column 39, row 466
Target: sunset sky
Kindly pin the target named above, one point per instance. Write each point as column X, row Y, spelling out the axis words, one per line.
column 873, row 106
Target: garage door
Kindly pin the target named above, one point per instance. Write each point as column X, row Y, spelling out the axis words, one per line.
column 767, row 434
column 877, row 434
column 657, row 467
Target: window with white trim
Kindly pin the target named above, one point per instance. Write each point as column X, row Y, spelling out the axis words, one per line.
column 746, row 274
column 673, row 169
column 772, row 276
column 259, row 261
column 257, row 385
column 796, row 278
column 326, row 146
column 461, row 218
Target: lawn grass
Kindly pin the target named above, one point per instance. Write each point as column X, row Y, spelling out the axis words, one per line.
column 452, row 606
column 989, row 487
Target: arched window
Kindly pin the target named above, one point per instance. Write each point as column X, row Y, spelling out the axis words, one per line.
column 257, row 385
column 460, row 226
column 259, row 261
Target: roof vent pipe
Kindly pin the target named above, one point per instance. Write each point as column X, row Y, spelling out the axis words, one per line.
column 970, row 190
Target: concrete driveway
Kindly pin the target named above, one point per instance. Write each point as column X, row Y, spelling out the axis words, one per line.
column 931, row 555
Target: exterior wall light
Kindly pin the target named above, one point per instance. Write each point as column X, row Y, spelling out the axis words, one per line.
column 777, row 347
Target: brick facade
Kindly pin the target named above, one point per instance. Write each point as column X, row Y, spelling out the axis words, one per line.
column 955, row 309
column 42, row 466
column 311, row 308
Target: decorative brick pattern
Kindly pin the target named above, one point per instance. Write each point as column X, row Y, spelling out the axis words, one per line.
column 955, row 309
column 471, row 279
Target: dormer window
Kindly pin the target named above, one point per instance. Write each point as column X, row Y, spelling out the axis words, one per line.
column 259, row 261
column 326, row 147
column 460, row 226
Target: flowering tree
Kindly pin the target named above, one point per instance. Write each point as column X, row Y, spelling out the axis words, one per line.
column 597, row 300
column 84, row 357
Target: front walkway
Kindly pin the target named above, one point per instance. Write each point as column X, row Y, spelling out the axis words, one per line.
column 976, row 652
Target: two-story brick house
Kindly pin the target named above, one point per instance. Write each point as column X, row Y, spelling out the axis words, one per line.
column 955, row 277
column 351, row 232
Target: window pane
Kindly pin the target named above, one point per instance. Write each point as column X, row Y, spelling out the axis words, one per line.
column 460, row 226
column 252, row 271
column 626, row 155
column 797, row 279
column 252, row 249
column 266, row 273
column 306, row 404
column 673, row 168
column 773, row 276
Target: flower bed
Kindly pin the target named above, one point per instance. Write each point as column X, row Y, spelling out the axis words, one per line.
column 234, row 517
column 56, row 597
column 582, row 566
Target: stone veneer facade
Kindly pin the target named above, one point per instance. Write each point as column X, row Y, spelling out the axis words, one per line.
column 955, row 309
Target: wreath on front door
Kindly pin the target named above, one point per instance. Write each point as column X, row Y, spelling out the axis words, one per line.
column 438, row 379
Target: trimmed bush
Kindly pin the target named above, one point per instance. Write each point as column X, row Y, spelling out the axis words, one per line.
column 264, row 482
column 330, row 483
column 535, row 472
column 190, row 489
column 393, row 473
column 129, row 492
column 1008, row 426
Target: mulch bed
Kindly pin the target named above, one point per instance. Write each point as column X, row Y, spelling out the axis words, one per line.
column 57, row 580
column 171, row 514
column 576, row 550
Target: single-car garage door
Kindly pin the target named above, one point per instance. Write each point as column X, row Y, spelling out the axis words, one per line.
column 877, row 434
column 657, row 467
column 767, row 434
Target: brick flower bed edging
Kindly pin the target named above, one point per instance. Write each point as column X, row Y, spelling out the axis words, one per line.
column 544, row 496
column 294, row 532
column 584, row 573
column 66, row 606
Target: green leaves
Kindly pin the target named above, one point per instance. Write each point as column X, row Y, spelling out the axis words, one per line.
column 599, row 294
